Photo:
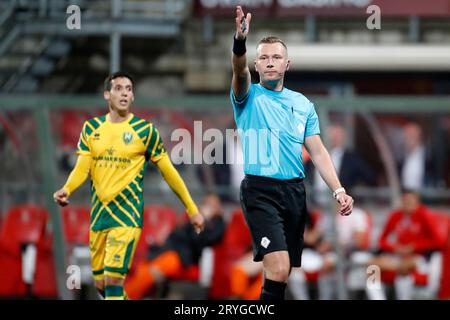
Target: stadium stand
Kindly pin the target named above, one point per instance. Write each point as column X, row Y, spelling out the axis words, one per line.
column 20, row 236
column 159, row 221
column 235, row 244
column 372, row 82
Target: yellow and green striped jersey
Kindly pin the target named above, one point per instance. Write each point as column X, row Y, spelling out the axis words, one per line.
column 120, row 154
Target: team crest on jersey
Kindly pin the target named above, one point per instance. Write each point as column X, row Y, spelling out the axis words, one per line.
column 127, row 137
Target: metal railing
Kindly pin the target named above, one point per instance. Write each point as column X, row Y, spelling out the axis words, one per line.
column 6, row 11
column 106, row 8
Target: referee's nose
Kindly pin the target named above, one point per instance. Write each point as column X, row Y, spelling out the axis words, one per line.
column 269, row 63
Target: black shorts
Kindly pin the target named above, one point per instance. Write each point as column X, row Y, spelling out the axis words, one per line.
column 275, row 211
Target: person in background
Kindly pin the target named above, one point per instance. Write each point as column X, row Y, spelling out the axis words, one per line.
column 182, row 249
column 409, row 237
column 417, row 169
column 350, row 167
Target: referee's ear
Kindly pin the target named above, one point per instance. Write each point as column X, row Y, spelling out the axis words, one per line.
column 288, row 64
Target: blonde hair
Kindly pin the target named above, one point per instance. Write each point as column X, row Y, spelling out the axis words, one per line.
column 271, row 39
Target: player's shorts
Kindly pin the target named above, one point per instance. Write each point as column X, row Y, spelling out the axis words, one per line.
column 112, row 251
column 275, row 211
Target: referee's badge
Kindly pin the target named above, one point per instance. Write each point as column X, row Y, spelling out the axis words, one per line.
column 127, row 137
column 265, row 242
column 301, row 129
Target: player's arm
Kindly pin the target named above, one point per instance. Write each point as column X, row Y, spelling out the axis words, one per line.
column 322, row 161
column 76, row 178
column 176, row 183
column 241, row 74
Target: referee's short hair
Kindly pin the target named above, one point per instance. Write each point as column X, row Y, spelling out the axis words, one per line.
column 118, row 74
column 272, row 39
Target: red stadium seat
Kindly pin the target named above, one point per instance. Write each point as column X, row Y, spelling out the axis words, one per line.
column 191, row 273
column 11, row 282
column 44, row 285
column 444, row 292
column 23, row 225
column 159, row 221
column 313, row 275
column 444, row 224
column 70, row 125
column 76, row 224
column 235, row 244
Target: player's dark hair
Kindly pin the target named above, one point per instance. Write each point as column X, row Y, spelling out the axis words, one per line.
column 118, row 74
column 272, row 39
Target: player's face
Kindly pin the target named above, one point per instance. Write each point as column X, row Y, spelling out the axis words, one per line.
column 121, row 96
column 271, row 61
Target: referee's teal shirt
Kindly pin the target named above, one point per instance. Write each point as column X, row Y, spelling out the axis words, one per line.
column 272, row 126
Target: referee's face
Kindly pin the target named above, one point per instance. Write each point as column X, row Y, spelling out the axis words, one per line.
column 120, row 96
column 271, row 61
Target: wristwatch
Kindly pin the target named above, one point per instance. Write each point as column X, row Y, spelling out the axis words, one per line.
column 337, row 191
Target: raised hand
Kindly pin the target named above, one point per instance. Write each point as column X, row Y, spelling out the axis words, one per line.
column 242, row 23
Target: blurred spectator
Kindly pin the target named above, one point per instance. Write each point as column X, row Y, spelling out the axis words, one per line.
column 181, row 250
column 350, row 167
column 302, row 281
column 412, row 172
column 419, row 164
column 247, row 275
column 235, row 161
column 246, row 278
column 226, row 176
column 353, row 233
column 216, row 176
column 409, row 238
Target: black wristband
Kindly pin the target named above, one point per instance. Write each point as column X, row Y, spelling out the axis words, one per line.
column 239, row 48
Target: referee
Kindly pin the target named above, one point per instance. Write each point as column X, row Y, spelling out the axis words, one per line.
column 273, row 123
